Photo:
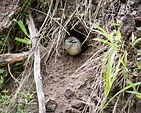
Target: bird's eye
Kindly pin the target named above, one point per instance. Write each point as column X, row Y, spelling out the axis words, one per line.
column 71, row 41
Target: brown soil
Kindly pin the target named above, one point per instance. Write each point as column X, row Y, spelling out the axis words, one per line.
column 70, row 91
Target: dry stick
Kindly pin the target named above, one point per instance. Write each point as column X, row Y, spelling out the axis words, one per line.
column 9, row 58
column 37, row 75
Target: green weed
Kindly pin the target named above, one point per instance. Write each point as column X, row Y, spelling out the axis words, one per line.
column 138, row 94
column 8, row 105
column 1, row 77
column 116, row 52
column 5, row 101
column 122, row 90
column 25, row 40
column 2, row 70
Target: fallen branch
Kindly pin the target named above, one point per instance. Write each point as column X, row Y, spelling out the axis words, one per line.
column 12, row 58
column 37, row 74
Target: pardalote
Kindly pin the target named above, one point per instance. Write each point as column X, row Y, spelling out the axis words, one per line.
column 72, row 45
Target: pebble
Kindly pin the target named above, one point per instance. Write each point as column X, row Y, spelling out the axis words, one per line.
column 68, row 94
column 51, row 105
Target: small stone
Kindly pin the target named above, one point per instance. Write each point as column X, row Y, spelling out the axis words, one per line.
column 77, row 105
column 68, row 94
column 71, row 110
column 51, row 105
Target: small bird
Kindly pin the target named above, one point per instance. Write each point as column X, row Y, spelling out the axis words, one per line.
column 72, row 45
column 134, row 3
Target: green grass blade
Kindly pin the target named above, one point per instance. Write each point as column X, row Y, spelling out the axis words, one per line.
column 21, row 25
column 131, row 84
column 122, row 90
column 123, row 60
column 119, row 34
column 24, row 41
column 99, row 32
column 138, row 95
column 101, row 29
column 109, row 73
column 135, row 42
column 114, row 24
column 111, row 37
column 106, row 42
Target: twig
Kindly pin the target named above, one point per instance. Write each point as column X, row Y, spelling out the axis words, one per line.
column 37, row 75
column 9, row 70
column 11, row 58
